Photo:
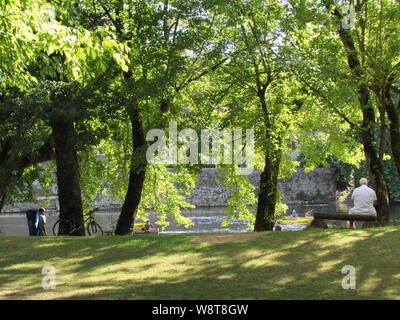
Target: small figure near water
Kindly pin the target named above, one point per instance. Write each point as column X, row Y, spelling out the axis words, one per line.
column 148, row 226
column 364, row 199
column 309, row 213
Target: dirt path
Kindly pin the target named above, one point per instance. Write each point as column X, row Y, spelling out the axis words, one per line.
column 222, row 238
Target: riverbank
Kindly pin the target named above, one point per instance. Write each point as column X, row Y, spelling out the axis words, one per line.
column 270, row 265
column 206, row 220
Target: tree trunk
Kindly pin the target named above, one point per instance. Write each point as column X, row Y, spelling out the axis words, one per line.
column 7, row 178
column 166, row 105
column 3, row 198
column 137, row 174
column 393, row 115
column 268, row 194
column 374, row 163
column 68, row 177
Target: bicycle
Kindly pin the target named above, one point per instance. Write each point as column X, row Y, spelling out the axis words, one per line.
column 92, row 227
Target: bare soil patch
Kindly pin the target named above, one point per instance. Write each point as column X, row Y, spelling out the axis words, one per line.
column 223, row 238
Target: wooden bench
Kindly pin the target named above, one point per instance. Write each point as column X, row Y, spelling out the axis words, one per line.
column 320, row 217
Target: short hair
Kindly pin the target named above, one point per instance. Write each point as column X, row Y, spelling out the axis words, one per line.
column 363, row 181
column 42, row 210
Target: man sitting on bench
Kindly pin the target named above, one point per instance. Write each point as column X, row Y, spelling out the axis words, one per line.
column 364, row 199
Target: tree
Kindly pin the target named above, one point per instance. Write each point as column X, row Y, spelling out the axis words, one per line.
column 374, row 162
column 333, row 69
column 378, row 39
column 262, row 99
column 60, row 53
column 170, row 49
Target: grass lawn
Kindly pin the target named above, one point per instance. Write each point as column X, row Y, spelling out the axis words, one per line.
column 272, row 265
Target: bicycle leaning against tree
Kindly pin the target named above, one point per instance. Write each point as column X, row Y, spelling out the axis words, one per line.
column 91, row 227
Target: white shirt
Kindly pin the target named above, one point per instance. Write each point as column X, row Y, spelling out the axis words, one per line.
column 363, row 201
column 44, row 218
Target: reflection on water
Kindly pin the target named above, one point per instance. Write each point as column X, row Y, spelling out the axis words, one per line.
column 207, row 219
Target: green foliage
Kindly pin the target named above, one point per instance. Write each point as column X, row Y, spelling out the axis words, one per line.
column 22, row 190
column 280, row 207
column 35, row 35
column 304, row 196
column 343, row 173
column 348, row 176
column 165, row 192
column 92, row 169
column 242, row 201
column 117, row 153
column 25, row 188
column 391, row 178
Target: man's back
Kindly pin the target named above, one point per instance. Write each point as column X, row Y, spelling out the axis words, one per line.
column 363, row 200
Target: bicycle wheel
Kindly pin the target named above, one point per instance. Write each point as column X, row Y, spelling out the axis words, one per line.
column 94, row 229
column 66, row 223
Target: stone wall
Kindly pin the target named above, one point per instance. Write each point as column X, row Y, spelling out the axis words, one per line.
column 320, row 182
column 209, row 193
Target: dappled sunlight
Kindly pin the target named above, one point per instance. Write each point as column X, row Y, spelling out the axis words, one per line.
column 391, row 292
column 255, row 262
column 71, row 292
column 286, row 279
column 370, row 282
column 226, row 276
column 271, row 265
column 21, row 268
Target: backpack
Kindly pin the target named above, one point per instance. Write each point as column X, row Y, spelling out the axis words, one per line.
column 32, row 216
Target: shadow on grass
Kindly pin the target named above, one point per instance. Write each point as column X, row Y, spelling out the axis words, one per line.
column 280, row 265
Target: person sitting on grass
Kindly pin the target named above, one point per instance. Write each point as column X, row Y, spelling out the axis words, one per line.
column 310, row 213
column 148, row 226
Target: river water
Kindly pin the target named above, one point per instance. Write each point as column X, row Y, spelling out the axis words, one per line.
column 206, row 219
